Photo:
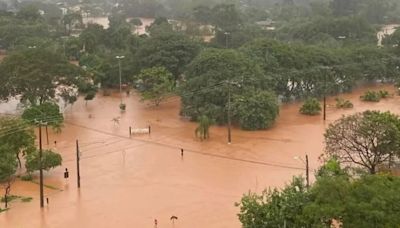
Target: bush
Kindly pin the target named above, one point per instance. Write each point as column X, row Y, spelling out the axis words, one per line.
column 255, row 110
column 310, row 107
column 122, row 107
column 384, row 93
column 371, row 96
column 342, row 103
column 27, row 177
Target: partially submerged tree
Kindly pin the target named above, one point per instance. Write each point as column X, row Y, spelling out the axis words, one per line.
column 255, row 110
column 155, row 84
column 16, row 136
column 47, row 112
column 202, row 131
column 35, row 75
column 364, row 140
column 50, row 160
column 8, row 167
column 310, row 107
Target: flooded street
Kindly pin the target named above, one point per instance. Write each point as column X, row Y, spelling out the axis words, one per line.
column 130, row 181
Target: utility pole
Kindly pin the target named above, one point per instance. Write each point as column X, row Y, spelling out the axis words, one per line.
column 325, row 96
column 120, row 78
column 77, row 164
column 226, row 39
column 229, row 113
column 41, row 165
column 307, row 172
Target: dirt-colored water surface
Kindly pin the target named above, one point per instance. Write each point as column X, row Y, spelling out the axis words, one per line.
column 130, row 181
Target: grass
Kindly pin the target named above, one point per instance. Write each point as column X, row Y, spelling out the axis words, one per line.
column 5, row 209
column 10, row 198
column 26, row 199
column 47, row 186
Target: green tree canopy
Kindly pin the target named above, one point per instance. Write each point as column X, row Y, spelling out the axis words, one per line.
column 364, row 140
column 209, row 76
column 255, row 110
column 50, row 160
column 155, row 84
column 35, row 74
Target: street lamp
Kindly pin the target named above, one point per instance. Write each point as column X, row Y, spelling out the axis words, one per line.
column 307, row 168
column 226, row 38
column 119, row 57
column 326, row 68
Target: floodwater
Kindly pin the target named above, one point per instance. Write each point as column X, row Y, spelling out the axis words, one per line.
column 130, row 181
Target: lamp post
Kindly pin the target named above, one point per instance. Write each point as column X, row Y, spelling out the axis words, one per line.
column 119, row 57
column 229, row 113
column 226, row 38
column 307, row 169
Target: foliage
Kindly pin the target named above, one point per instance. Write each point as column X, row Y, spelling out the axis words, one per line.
column 274, row 208
column 47, row 112
column 15, row 142
column 367, row 201
column 50, row 160
column 155, row 84
column 373, row 96
column 170, row 50
column 342, row 103
column 364, row 140
column 202, row 131
column 255, row 110
column 311, row 107
column 8, row 163
column 210, row 77
column 35, row 75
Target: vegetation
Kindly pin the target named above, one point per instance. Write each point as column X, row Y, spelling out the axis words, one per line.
column 255, row 110
column 365, row 140
column 155, row 84
column 342, row 103
column 311, row 107
column 335, row 196
column 50, row 160
column 202, row 131
column 374, row 96
column 48, row 113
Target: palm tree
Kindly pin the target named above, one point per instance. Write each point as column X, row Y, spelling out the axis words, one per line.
column 204, row 125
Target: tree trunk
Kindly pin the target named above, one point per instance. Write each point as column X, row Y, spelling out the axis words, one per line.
column 19, row 160
column 8, row 188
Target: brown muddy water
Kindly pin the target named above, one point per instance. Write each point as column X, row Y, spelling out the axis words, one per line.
column 130, row 181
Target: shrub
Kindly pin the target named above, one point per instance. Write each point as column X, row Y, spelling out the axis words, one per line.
column 342, row 103
column 310, row 107
column 374, row 96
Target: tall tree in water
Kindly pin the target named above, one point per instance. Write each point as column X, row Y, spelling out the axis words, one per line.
column 365, row 140
column 35, row 75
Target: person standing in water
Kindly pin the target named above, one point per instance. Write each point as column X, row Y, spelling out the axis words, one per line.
column 155, row 223
column 181, row 152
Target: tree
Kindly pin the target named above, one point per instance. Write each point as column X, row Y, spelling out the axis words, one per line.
column 35, row 75
column 170, row 50
column 50, row 160
column 274, row 208
column 310, row 107
column 210, row 77
column 8, row 167
column 364, row 140
column 365, row 201
column 255, row 110
column 155, row 84
column 16, row 137
column 202, row 131
column 47, row 112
